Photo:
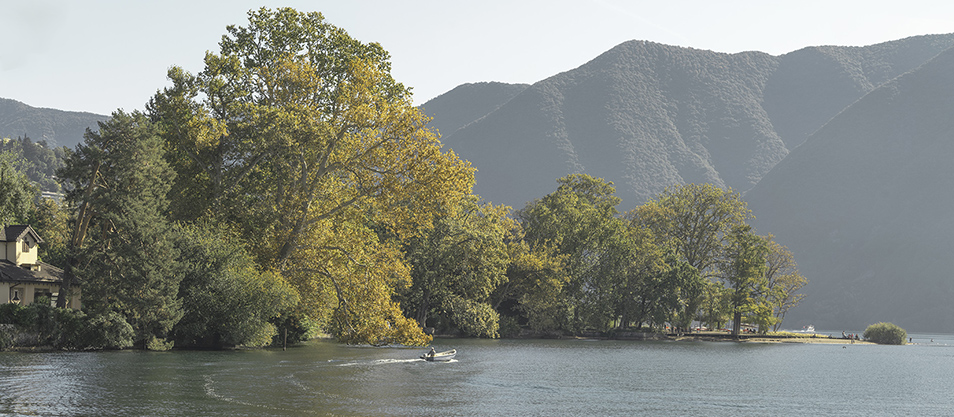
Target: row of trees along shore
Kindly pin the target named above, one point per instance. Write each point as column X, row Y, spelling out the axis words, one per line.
column 292, row 187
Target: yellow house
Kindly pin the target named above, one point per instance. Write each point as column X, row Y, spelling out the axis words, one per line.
column 23, row 277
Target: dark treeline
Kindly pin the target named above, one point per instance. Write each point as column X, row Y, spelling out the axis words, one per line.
column 291, row 188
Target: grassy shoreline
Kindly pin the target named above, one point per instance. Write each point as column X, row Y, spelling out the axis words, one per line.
column 774, row 337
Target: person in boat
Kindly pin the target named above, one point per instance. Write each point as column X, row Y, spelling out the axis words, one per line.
column 432, row 352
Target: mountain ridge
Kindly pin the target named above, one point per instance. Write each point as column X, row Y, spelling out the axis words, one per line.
column 55, row 127
column 469, row 102
column 684, row 115
column 863, row 206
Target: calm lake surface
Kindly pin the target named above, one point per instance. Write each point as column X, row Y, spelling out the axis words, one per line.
column 493, row 377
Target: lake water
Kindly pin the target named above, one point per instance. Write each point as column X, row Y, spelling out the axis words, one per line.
column 493, row 377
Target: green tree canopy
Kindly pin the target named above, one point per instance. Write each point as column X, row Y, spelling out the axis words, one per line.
column 457, row 265
column 782, row 280
column 36, row 160
column 227, row 300
column 534, row 288
column 743, row 271
column 51, row 218
column 16, row 192
column 696, row 221
column 577, row 220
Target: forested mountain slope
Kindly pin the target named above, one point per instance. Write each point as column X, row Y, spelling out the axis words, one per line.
column 56, row 127
column 36, row 160
column 468, row 102
column 646, row 116
column 865, row 206
column 813, row 84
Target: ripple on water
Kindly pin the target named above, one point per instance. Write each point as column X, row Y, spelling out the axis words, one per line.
column 489, row 377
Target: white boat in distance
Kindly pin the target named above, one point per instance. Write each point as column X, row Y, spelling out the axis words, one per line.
column 439, row 356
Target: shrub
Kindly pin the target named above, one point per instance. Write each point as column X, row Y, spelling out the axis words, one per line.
column 44, row 322
column 886, row 334
column 17, row 314
column 157, row 344
column 473, row 318
column 108, row 331
column 227, row 300
column 70, row 329
column 9, row 313
column 293, row 326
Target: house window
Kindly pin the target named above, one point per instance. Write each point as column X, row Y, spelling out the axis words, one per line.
column 26, row 245
column 39, row 295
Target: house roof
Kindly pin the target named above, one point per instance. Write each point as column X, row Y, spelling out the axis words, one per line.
column 10, row 272
column 14, row 233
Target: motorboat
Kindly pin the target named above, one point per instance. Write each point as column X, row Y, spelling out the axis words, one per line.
column 439, row 356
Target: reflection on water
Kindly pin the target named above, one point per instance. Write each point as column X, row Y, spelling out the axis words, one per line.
column 492, row 377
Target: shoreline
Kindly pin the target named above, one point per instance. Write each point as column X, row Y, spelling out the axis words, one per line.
column 709, row 336
column 769, row 338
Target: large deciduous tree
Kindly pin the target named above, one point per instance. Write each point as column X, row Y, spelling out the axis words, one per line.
column 296, row 134
column 743, row 271
column 577, row 219
column 696, row 220
column 783, row 280
column 52, row 219
column 534, row 288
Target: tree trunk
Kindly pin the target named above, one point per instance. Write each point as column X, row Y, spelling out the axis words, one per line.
column 736, row 323
column 79, row 236
column 423, row 308
column 64, row 297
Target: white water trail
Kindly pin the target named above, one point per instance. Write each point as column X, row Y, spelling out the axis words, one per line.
column 381, row 362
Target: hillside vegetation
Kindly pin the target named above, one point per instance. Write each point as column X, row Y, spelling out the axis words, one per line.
column 467, row 103
column 35, row 160
column 864, row 205
column 647, row 116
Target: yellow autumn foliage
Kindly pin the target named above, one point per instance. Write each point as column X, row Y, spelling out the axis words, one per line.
column 297, row 135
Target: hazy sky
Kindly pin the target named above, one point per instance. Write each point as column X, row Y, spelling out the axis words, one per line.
column 100, row 55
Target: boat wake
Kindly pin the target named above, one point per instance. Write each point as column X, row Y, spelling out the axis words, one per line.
column 380, row 362
column 210, row 392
